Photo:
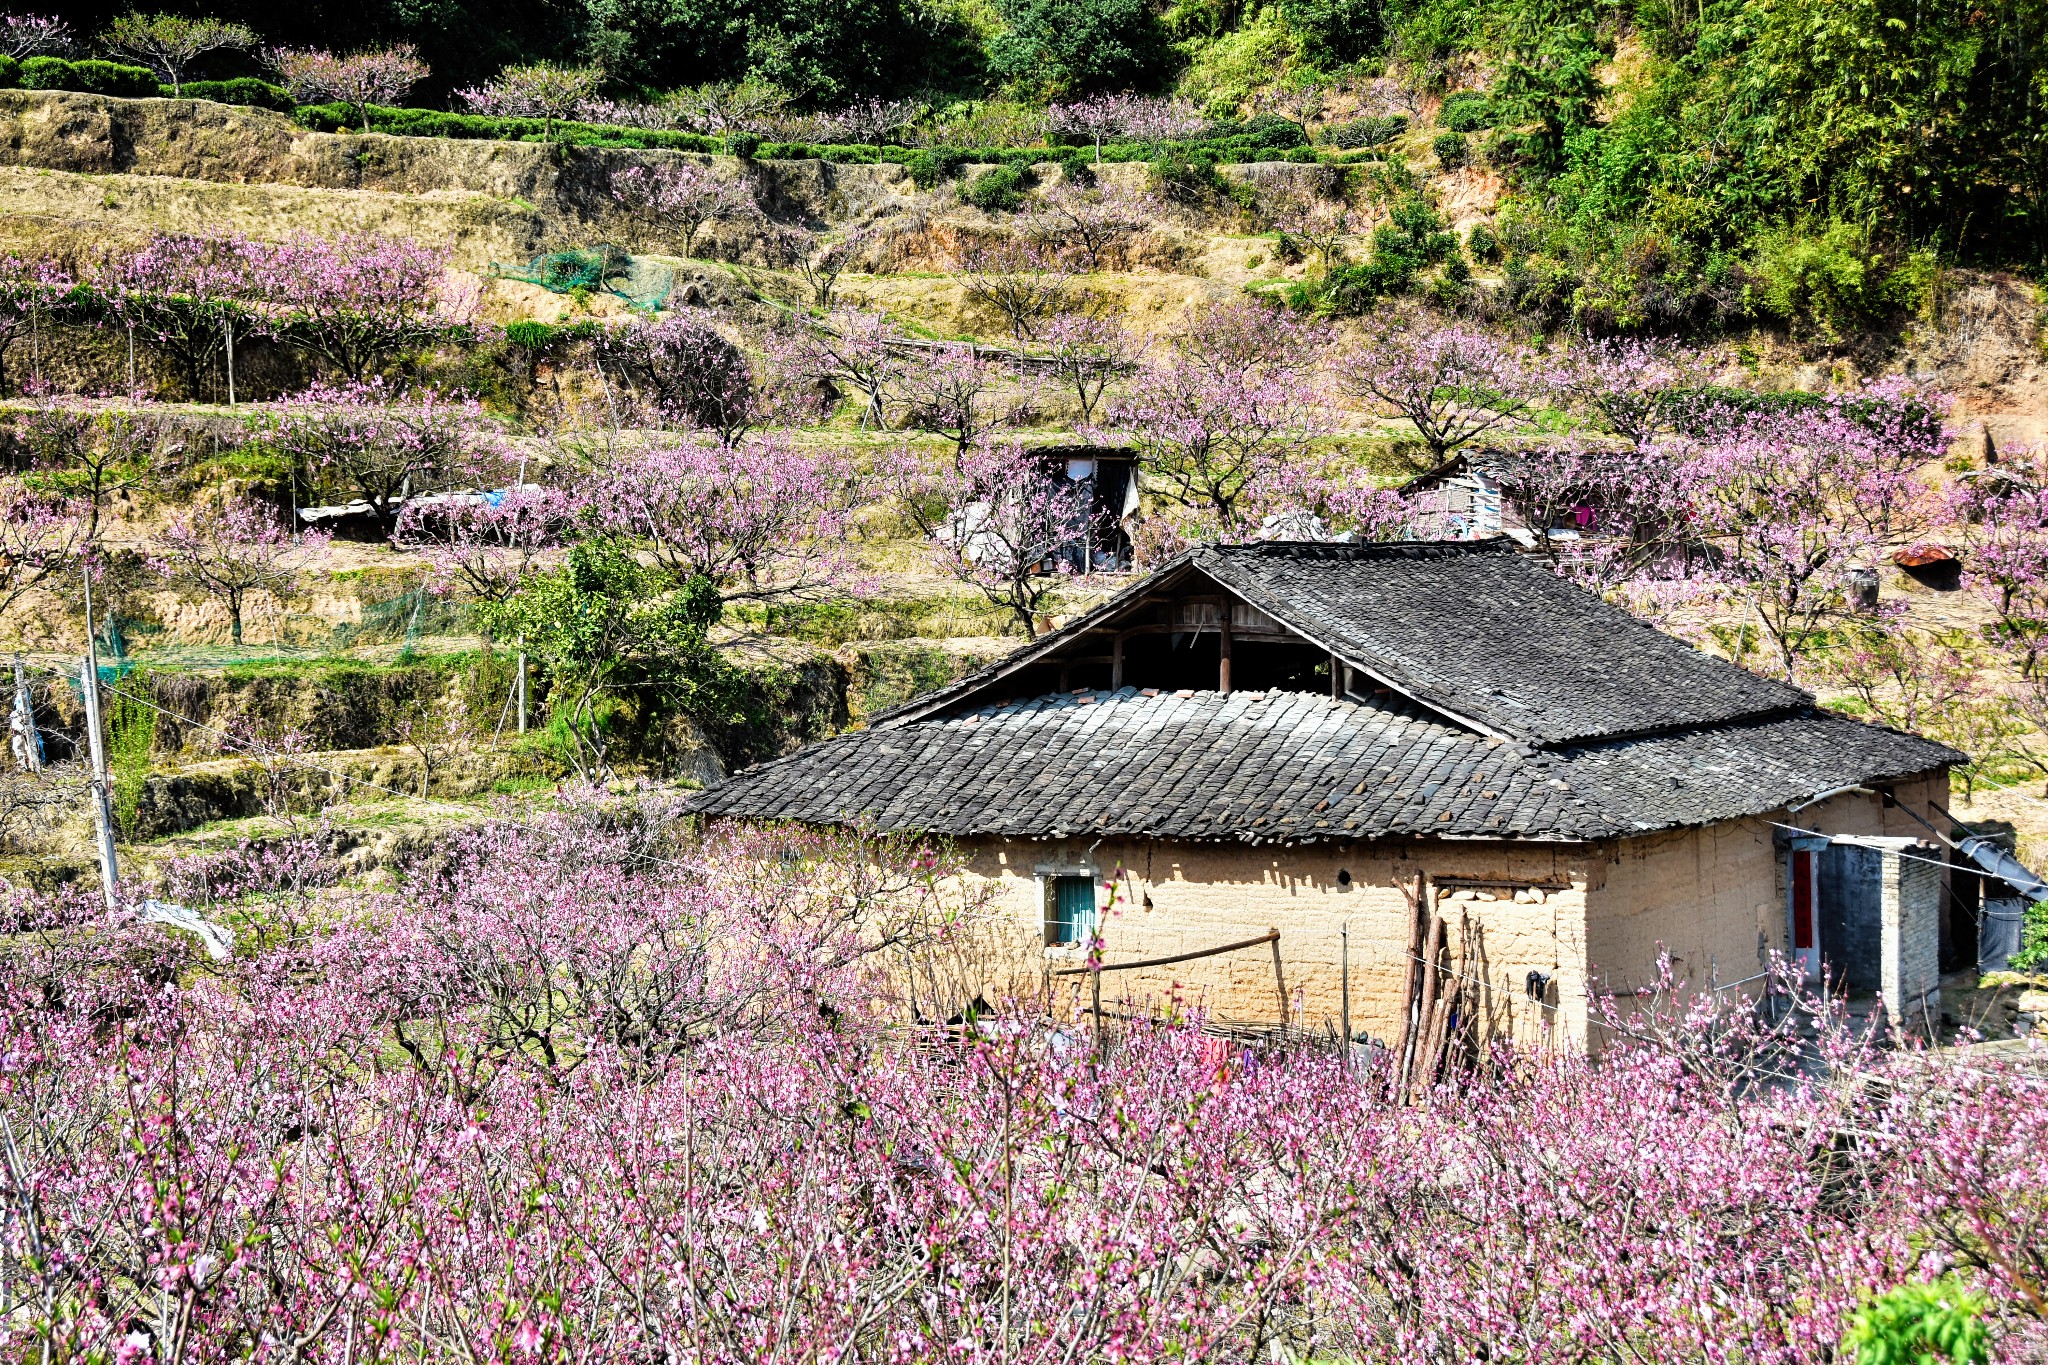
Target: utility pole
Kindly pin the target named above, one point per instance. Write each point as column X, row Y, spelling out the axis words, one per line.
column 23, row 722
column 102, row 802
column 519, row 492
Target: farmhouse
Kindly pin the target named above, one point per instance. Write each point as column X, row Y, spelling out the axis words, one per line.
column 1332, row 741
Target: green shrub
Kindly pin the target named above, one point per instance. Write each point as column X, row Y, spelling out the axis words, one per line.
column 1467, row 111
column 742, row 145
column 2033, row 953
column 131, row 735
column 542, row 338
column 241, row 90
column 1452, row 151
column 10, row 72
column 1401, row 251
column 1920, row 1324
column 87, row 77
column 1000, row 189
column 1336, row 32
column 1365, row 132
column 342, row 118
column 1482, row 243
column 1822, row 283
column 1079, row 46
column 1267, row 132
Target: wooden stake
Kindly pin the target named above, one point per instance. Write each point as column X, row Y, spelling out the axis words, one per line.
column 1097, row 979
column 1279, row 978
column 1425, row 1016
column 1409, row 962
column 1344, row 990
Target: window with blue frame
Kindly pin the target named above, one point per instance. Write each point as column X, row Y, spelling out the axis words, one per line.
column 1071, row 914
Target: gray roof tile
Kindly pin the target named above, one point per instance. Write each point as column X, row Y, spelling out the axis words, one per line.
column 1297, row 767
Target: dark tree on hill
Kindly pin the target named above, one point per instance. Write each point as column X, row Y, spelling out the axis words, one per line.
column 1069, row 47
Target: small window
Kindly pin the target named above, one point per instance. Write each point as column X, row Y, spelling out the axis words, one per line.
column 1070, row 918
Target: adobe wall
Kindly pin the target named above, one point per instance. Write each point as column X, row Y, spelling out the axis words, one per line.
column 1709, row 896
column 1714, row 898
column 1175, row 897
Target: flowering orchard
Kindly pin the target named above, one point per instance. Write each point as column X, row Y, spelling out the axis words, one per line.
column 590, row 1089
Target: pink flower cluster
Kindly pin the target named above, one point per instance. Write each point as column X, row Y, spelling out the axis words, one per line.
column 588, row 1090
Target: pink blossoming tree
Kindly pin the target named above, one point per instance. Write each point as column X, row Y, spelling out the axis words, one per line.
column 1235, row 396
column 384, row 447
column 541, row 90
column 761, row 520
column 232, row 548
column 1454, row 383
column 681, row 197
column 359, row 79
column 997, row 520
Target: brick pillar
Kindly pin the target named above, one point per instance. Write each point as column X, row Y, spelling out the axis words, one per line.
column 1910, row 907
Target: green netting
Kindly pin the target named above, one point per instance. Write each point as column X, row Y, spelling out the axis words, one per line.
column 600, row 270
column 404, row 618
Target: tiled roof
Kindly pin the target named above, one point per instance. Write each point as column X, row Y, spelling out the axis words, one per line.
column 1494, row 636
column 1471, row 629
column 1295, row 767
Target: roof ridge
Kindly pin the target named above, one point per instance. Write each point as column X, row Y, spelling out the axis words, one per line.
column 1339, row 549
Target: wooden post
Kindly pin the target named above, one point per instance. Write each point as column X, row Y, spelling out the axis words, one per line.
column 1344, row 990
column 1409, row 962
column 1223, row 649
column 1116, row 663
column 1096, row 977
column 1336, row 678
column 97, row 785
column 1425, row 1017
column 1279, row 978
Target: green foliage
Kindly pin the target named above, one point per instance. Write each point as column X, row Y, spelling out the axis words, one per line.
column 1225, row 72
column 241, row 90
column 1000, row 189
column 1811, row 162
column 342, row 118
column 1336, row 33
column 1452, row 151
column 1431, row 34
column 89, row 77
column 605, row 624
column 1189, row 176
column 1266, row 133
column 1549, row 82
column 545, row 339
column 1414, row 241
column 10, row 72
column 131, row 734
column 746, row 146
column 2033, row 953
column 1467, row 111
column 1920, row 1324
column 1365, row 132
column 1075, row 47
column 1828, row 281
column 831, row 53
column 1482, row 244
